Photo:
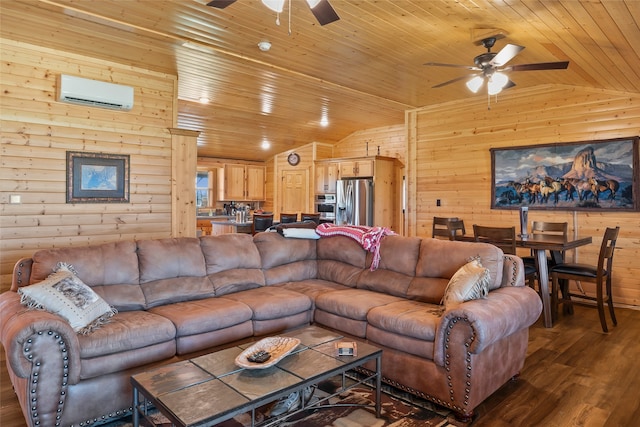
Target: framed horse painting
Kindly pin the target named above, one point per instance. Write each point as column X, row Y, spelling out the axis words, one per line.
column 587, row 175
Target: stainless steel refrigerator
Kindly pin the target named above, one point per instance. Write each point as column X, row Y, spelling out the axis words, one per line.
column 354, row 201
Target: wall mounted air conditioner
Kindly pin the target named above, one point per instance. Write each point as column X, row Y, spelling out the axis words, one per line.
column 77, row 90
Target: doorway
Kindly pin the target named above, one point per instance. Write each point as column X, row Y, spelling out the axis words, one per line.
column 294, row 190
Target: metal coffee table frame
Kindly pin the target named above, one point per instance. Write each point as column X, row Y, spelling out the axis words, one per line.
column 208, row 390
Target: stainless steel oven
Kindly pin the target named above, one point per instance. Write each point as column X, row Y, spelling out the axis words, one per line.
column 326, row 206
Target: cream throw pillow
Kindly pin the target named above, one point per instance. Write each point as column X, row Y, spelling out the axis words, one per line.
column 64, row 294
column 470, row 282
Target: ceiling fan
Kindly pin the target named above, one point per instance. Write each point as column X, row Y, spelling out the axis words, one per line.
column 491, row 68
column 321, row 9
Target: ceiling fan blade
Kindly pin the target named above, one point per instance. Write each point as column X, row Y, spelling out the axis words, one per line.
column 324, row 12
column 220, row 4
column 509, row 84
column 438, row 64
column 561, row 65
column 506, row 54
column 457, row 79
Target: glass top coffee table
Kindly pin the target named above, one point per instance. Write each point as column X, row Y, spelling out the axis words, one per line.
column 206, row 390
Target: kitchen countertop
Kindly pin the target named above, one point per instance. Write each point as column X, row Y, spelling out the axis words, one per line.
column 222, row 220
column 231, row 222
column 215, row 217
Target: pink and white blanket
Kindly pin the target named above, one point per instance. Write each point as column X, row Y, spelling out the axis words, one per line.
column 368, row 237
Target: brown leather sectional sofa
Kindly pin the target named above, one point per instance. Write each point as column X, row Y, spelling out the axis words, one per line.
column 181, row 297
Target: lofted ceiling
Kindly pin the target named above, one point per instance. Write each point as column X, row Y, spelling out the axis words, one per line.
column 363, row 71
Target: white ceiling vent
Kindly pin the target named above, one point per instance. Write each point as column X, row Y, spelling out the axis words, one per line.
column 77, row 90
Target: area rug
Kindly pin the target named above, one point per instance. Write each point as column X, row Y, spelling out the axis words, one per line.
column 398, row 410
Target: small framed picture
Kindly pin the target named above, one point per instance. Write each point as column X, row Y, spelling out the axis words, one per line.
column 97, row 178
column 346, row 348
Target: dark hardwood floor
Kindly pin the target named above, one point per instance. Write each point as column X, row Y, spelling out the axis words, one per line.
column 574, row 375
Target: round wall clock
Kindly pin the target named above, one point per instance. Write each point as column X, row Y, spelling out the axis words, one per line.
column 293, row 159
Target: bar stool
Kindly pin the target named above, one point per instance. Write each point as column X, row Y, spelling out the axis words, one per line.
column 315, row 217
column 287, row 218
column 599, row 274
column 261, row 222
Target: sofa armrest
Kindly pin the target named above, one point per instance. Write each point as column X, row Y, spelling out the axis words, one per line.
column 504, row 311
column 512, row 271
column 36, row 340
column 21, row 273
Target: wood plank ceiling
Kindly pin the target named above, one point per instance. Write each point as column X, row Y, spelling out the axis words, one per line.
column 360, row 72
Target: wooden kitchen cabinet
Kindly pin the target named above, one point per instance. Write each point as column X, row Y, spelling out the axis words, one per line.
column 326, row 177
column 239, row 182
column 356, row 168
column 255, row 183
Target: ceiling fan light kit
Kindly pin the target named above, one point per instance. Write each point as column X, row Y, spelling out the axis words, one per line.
column 275, row 5
column 490, row 66
column 475, row 84
column 321, row 9
column 497, row 81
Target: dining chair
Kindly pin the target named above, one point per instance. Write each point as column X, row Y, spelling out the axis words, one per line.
column 440, row 226
column 553, row 228
column 287, row 218
column 505, row 239
column 550, row 228
column 456, row 229
column 261, row 222
column 315, row 217
column 599, row 274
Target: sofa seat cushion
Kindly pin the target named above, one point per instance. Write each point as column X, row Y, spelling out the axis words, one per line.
column 353, row 303
column 126, row 331
column 205, row 315
column 346, row 310
column 313, row 287
column 207, row 322
column 275, row 309
column 132, row 338
column 411, row 318
column 272, row 302
column 406, row 325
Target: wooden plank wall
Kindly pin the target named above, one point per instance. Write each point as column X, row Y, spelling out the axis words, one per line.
column 36, row 133
column 390, row 139
column 451, row 161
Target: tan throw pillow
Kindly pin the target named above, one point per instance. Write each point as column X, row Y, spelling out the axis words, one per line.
column 470, row 282
column 64, row 294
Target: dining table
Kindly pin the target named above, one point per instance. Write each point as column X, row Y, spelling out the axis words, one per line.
column 541, row 243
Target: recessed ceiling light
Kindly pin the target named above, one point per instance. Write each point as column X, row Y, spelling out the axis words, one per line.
column 264, row 46
column 266, row 145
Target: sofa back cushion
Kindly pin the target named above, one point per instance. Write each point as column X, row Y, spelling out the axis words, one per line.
column 232, row 262
column 397, row 266
column 286, row 259
column 172, row 270
column 440, row 259
column 340, row 259
column 110, row 269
